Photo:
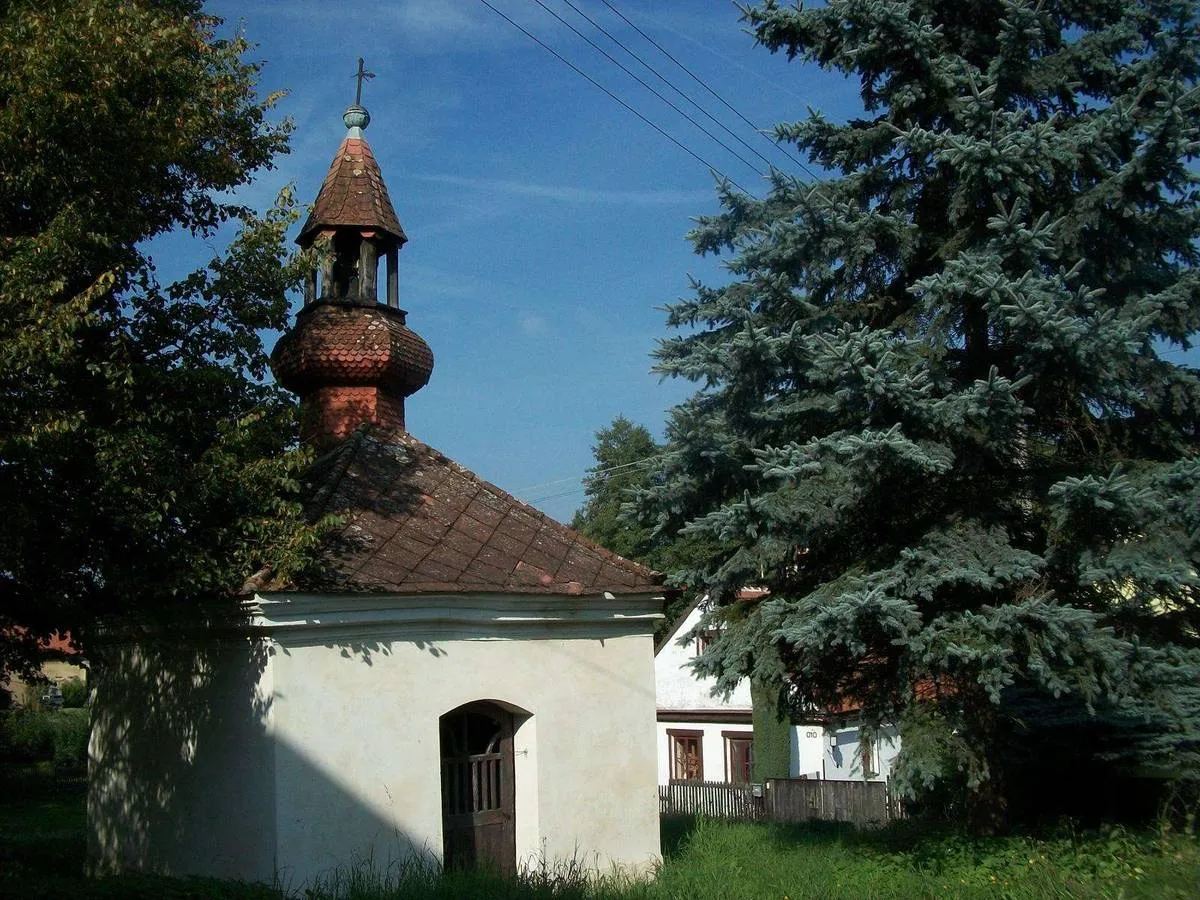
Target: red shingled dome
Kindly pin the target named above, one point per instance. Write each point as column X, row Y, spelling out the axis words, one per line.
column 351, row 345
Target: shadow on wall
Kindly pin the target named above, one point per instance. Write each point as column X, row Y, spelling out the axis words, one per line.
column 183, row 770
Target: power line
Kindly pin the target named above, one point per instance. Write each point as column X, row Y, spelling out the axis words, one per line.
column 704, row 85
column 591, row 474
column 597, row 84
column 737, row 137
column 616, row 62
column 553, row 496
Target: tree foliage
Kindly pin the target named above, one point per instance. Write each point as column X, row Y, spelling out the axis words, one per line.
column 626, row 457
column 144, row 463
column 939, row 413
column 624, row 453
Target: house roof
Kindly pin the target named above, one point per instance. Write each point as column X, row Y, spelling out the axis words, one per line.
column 418, row 522
column 353, row 194
column 57, row 643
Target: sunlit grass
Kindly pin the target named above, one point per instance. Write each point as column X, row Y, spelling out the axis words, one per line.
column 42, row 849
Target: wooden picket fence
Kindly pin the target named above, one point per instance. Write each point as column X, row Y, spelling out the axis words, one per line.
column 715, row 799
column 860, row 802
column 863, row 803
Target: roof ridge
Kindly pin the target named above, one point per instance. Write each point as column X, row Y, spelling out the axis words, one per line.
column 340, row 457
column 447, row 528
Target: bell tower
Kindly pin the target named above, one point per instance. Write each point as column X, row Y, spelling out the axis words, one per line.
column 351, row 359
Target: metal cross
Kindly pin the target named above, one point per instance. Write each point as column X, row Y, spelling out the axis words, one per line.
column 361, row 74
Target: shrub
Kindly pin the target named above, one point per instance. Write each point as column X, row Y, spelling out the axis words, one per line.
column 25, row 736
column 74, row 693
column 71, row 729
column 32, row 736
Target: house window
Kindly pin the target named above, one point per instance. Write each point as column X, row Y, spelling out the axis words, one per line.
column 704, row 639
column 739, row 756
column 687, row 754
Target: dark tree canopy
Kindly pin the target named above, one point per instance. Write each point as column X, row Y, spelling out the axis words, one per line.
column 144, row 463
column 624, row 453
column 626, row 457
column 941, row 413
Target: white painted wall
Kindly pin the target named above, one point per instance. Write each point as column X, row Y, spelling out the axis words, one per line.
column 812, row 754
column 678, row 687
column 843, row 763
column 181, row 763
column 809, row 744
column 368, row 732
column 318, row 747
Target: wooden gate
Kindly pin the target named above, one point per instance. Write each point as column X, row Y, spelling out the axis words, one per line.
column 477, row 788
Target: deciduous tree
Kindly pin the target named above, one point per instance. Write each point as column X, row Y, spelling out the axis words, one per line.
column 626, row 456
column 624, row 453
column 144, row 462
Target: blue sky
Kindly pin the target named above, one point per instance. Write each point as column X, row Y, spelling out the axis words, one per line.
column 546, row 223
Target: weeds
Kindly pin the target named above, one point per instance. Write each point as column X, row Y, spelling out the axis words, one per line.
column 41, row 855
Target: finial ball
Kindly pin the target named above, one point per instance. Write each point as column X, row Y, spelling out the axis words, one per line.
column 356, row 117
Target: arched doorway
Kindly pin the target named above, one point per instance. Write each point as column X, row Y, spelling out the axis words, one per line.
column 478, row 821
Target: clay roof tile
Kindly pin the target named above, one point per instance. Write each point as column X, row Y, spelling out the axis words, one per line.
column 417, row 522
column 353, row 194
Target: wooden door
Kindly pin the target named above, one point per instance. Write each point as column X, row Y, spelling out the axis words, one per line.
column 478, row 822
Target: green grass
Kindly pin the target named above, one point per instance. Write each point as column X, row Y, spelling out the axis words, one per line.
column 42, row 849
column 906, row 860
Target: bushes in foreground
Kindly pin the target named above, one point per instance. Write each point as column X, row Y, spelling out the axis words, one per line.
column 57, row 737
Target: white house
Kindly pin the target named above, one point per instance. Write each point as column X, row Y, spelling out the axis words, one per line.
column 449, row 686
column 705, row 736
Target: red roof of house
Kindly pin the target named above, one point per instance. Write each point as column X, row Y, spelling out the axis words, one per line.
column 58, row 642
column 418, row 522
column 353, row 194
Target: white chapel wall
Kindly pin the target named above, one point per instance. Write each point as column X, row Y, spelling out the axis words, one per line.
column 181, row 774
column 366, row 719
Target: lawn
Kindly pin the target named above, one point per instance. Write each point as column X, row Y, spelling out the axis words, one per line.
column 42, row 847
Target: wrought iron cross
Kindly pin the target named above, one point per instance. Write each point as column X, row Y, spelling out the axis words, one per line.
column 361, row 74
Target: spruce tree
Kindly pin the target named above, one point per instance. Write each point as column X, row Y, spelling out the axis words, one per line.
column 942, row 414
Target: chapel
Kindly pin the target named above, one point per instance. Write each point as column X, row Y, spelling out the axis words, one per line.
column 464, row 681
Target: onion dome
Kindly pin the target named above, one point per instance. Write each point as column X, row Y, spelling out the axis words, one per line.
column 351, row 359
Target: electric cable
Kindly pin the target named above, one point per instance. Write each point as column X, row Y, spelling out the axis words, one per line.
column 616, row 62
column 613, row 96
column 704, row 85
column 591, row 474
column 733, row 134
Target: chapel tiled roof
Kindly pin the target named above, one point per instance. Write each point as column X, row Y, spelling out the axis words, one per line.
column 353, row 194
column 418, row 522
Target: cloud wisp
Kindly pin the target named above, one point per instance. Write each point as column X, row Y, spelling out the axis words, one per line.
column 569, row 193
column 420, row 27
